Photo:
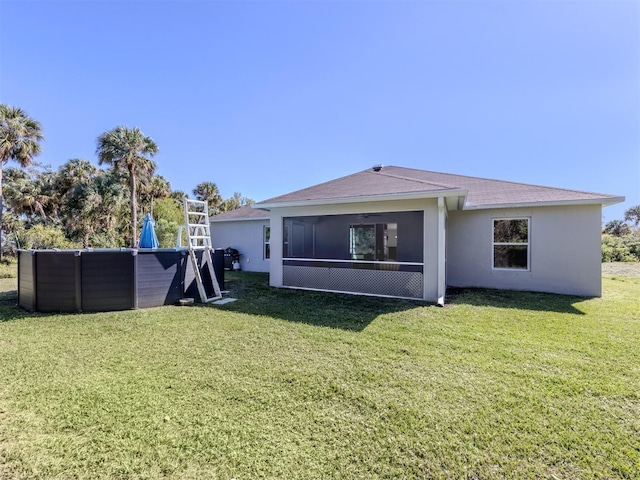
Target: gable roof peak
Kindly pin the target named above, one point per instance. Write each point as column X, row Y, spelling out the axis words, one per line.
column 415, row 179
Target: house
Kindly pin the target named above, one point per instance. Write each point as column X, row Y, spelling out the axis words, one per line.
column 247, row 230
column 401, row 232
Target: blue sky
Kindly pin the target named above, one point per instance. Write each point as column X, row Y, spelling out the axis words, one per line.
column 266, row 97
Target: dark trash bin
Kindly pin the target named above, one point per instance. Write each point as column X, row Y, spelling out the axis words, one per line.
column 231, row 256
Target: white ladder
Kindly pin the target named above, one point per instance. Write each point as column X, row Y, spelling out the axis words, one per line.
column 196, row 223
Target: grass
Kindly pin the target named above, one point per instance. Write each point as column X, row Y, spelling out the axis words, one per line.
column 8, row 268
column 292, row 384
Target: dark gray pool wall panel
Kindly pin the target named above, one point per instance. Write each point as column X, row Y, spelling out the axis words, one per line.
column 27, row 280
column 190, row 287
column 159, row 278
column 107, row 280
column 58, row 292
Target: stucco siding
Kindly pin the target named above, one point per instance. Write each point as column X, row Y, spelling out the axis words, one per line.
column 564, row 248
column 245, row 236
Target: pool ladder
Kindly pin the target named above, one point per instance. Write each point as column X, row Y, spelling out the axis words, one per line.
column 197, row 227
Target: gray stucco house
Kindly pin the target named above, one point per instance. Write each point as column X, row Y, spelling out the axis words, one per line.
column 401, row 232
column 247, row 230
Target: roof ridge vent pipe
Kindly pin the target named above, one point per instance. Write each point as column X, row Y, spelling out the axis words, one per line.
column 377, row 168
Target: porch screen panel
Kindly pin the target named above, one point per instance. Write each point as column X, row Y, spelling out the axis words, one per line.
column 390, row 236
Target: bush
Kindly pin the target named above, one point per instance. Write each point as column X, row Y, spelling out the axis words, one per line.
column 167, row 231
column 621, row 249
column 43, row 237
column 169, row 216
column 108, row 239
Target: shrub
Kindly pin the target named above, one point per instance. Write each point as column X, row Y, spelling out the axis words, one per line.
column 167, row 231
column 621, row 249
column 106, row 239
column 633, row 242
column 43, row 237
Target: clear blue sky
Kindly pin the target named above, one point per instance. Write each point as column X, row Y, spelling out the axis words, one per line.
column 266, row 97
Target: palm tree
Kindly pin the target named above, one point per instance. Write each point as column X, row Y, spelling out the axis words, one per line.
column 156, row 188
column 14, row 181
column 20, row 138
column 128, row 150
column 32, row 194
column 72, row 172
column 47, row 197
column 235, row 202
column 178, row 196
column 208, row 192
column 633, row 215
column 71, row 182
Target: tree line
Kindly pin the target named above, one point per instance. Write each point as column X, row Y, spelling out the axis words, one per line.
column 621, row 238
column 85, row 205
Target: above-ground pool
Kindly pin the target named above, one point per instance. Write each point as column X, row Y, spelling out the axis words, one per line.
column 93, row 280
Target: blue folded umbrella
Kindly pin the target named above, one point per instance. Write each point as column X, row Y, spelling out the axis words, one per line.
column 148, row 237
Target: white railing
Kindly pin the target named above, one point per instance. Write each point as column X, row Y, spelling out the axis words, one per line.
column 348, row 260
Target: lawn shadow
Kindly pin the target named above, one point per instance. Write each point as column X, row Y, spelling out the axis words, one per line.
column 512, row 299
column 347, row 312
column 334, row 310
column 9, row 309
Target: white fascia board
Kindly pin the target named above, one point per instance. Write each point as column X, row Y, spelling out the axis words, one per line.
column 557, row 203
column 246, row 219
column 366, row 199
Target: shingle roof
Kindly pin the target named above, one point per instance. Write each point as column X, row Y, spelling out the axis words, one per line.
column 365, row 184
column 481, row 192
column 243, row 213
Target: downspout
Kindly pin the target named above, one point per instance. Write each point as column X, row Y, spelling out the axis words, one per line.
column 442, row 279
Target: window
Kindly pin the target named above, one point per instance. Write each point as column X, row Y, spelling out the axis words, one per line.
column 362, row 242
column 511, row 243
column 267, row 246
column 373, row 242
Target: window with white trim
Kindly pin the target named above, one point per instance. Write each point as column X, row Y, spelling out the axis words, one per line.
column 511, row 243
column 267, row 244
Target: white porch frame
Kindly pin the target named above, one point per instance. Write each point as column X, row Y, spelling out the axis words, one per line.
column 434, row 234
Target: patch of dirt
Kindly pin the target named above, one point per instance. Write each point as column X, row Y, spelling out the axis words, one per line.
column 8, row 285
column 621, row 269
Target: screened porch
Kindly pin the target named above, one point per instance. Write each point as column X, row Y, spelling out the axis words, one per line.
column 370, row 253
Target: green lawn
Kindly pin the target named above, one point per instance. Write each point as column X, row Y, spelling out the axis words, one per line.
column 292, row 384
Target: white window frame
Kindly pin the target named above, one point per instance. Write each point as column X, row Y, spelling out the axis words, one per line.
column 266, row 243
column 520, row 244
